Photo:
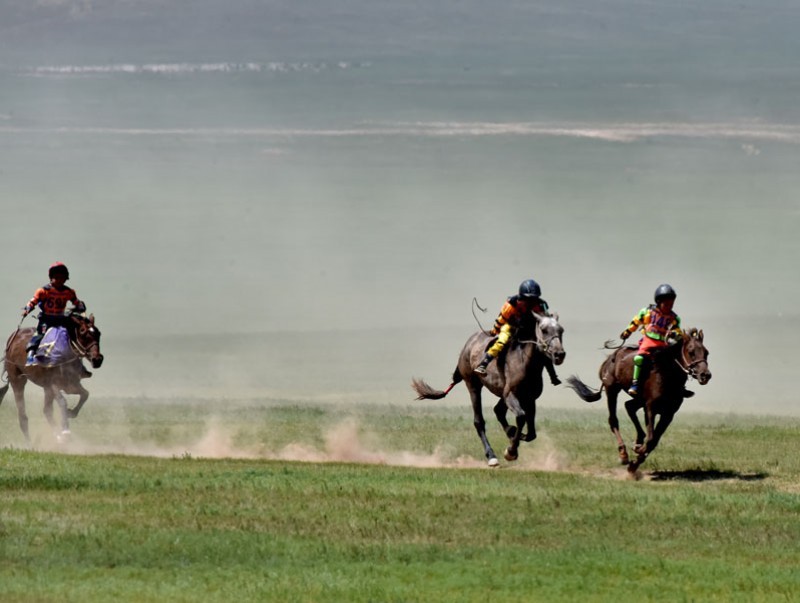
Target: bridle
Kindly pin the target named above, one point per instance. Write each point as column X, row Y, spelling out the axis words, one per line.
column 543, row 343
column 81, row 349
column 690, row 368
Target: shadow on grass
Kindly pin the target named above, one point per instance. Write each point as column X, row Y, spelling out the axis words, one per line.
column 702, row 475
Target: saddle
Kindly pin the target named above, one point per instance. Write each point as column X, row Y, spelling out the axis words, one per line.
column 54, row 348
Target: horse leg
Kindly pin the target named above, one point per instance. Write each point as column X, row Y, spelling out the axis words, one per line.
column 613, row 423
column 500, row 410
column 84, row 395
column 631, row 407
column 19, row 398
column 512, row 452
column 49, row 396
column 663, row 422
column 480, row 426
column 62, row 406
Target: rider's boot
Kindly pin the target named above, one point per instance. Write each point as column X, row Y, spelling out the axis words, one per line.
column 633, row 390
column 551, row 371
column 31, row 358
column 481, row 368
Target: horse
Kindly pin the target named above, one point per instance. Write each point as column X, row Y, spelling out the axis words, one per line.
column 66, row 377
column 515, row 377
column 662, row 393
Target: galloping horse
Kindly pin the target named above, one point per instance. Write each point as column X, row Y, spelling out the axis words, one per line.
column 662, row 394
column 515, row 377
column 66, row 377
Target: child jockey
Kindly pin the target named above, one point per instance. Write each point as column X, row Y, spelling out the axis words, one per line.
column 508, row 321
column 52, row 301
column 656, row 321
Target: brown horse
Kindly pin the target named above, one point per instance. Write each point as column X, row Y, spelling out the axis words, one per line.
column 515, row 377
column 65, row 377
column 662, row 393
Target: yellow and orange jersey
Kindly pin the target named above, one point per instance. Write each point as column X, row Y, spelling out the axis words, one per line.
column 511, row 313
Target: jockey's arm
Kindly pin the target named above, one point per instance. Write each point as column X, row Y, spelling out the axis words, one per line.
column 636, row 322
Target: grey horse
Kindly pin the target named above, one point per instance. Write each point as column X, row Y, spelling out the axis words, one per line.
column 515, row 378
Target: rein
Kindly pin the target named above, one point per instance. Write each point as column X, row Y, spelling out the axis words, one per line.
column 81, row 350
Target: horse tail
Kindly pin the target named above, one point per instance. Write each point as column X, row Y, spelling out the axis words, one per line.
column 3, row 391
column 586, row 393
column 426, row 392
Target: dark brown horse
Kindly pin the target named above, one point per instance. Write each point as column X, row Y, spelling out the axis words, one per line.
column 515, row 377
column 662, row 393
column 65, row 377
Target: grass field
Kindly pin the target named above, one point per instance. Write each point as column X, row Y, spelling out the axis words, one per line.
column 271, row 500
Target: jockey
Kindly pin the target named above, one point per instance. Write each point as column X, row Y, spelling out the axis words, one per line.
column 656, row 321
column 508, row 321
column 52, row 301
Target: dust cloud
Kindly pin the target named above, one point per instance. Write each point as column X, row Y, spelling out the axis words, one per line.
column 345, row 442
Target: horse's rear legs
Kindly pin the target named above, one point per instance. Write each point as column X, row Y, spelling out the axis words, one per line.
column 480, row 427
column 19, row 399
column 613, row 423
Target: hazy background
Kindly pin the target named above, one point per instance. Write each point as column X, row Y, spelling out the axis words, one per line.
column 301, row 199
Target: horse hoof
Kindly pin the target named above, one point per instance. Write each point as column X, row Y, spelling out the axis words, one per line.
column 510, row 456
column 72, row 413
column 529, row 437
column 493, row 462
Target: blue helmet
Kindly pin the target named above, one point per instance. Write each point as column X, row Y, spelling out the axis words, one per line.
column 664, row 292
column 530, row 289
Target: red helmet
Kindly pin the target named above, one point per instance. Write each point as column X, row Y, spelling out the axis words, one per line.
column 56, row 269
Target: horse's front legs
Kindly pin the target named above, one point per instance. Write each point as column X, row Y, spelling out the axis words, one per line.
column 631, row 407
column 500, row 410
column 62, row 407
column 512, row 452
column 480, row 425
column 84, row 395
column 54, row 394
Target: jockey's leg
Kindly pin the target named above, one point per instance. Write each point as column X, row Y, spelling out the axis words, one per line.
column 551, row 371
column 494, row 351
column 639, row 368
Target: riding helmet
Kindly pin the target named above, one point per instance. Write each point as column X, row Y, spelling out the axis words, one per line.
column 56, row 269
column 530, row 289
column 665, row 292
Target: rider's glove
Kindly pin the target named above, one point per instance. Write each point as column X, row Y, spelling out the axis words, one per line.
column 25, row 312
column 625, row 334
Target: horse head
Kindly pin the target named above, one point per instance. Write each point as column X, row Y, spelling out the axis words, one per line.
column 694, row 356
column 549, row 335
column 86, row 339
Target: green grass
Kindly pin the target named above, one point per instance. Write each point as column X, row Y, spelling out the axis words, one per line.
column 717, row 520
